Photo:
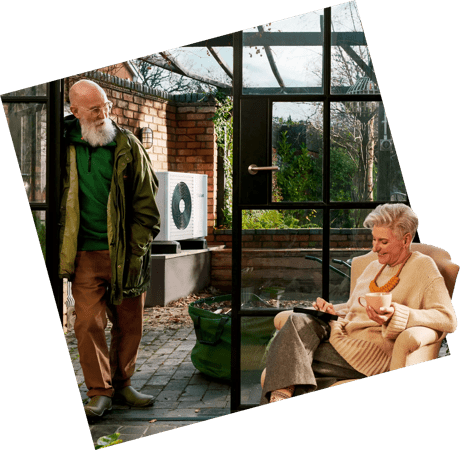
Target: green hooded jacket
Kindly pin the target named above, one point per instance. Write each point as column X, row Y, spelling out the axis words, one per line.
column 133, row 219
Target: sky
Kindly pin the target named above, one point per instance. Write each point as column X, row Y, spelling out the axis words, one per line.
column 299, row 66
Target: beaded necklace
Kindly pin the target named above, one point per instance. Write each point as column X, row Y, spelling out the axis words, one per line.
column 391, row 283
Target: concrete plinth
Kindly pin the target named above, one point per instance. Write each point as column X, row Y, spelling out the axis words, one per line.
column 177, row 275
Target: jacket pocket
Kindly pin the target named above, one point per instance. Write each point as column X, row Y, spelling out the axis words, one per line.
column 133, row 272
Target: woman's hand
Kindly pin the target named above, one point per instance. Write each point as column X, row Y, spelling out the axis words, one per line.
column 381, row 318
column 323, row 305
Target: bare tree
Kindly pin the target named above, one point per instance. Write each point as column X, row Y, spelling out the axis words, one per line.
column 354, row 127
column 161, row 78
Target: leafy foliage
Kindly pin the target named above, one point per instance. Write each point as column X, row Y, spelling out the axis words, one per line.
column 223, row 124
column 298, row 153
column 108, row 441
column 252, row 220
column 292, row 162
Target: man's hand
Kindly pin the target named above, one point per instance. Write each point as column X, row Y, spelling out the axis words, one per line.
column 381, row 317
column 323, row 305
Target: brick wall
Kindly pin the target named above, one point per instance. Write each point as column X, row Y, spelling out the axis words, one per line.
column 134, row 110
column 196, row 150
column 277, row 257
column 183, row 133
column 298, row 238
column 286, row 268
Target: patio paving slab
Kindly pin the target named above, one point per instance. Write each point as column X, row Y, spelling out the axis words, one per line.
column 182, row 395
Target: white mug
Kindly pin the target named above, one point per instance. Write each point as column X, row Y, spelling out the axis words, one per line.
column 376, row 300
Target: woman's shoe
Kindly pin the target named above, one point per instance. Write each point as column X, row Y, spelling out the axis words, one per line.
column 282, row 394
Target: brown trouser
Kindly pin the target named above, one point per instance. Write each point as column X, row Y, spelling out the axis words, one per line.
column 104, row 371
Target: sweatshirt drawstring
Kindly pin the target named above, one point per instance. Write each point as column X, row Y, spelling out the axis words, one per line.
column 89, row 160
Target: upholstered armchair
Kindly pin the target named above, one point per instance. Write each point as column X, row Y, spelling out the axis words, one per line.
column 413, row 345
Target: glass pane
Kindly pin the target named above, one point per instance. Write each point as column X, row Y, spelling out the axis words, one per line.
column 364, row 164
column 40, row 225
column 281, row 253
column 202, row 64
column 352, row 71
column 284, row 56
column 40, row 89
column 297, row 149
column 256, row 333
column 27, row 123
column 348, row 239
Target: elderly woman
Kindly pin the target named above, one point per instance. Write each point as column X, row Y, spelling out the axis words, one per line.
column 308, row 354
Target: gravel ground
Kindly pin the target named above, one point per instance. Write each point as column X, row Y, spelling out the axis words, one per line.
column 175, row 314
column 172, row 316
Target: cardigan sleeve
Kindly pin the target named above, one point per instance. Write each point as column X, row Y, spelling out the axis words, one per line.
column 342, row 309
column 436, row 313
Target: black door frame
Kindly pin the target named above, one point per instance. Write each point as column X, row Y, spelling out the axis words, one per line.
column 54, row 102
column 243, row 201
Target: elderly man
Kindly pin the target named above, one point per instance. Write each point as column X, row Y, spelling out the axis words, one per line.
column 108, row 220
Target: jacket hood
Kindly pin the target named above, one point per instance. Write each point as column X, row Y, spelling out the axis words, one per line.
column 70, row 123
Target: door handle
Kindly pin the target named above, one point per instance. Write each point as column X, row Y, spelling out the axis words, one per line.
column 253, row 168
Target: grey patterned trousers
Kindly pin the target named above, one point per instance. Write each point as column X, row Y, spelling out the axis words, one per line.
column 300, row 355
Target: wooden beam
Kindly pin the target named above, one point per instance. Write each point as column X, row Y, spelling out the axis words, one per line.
column 271, row 59
column 266, row 40
column 225, row 67
column 170, row 60
column 290, row 39
column 220, row 41
column 302, row 39
column 173, row 65
column 357, row 59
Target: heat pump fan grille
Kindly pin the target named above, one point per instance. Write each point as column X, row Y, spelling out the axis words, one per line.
column 181, row 206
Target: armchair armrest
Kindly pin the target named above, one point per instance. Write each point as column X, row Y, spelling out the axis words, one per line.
column 415, row 345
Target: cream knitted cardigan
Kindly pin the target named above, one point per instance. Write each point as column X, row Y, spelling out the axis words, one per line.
column 420, row 299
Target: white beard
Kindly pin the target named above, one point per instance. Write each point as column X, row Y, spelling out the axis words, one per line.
column 98, row 137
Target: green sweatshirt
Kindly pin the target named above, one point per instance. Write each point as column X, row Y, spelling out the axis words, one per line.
column 95, row 170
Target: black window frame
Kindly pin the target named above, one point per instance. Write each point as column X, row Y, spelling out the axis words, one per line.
column 54, row 113
column 326, row 205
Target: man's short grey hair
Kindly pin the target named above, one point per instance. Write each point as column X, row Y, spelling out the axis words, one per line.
column 399, row 218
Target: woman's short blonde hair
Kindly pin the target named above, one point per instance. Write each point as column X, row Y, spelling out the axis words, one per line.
column 399, row 218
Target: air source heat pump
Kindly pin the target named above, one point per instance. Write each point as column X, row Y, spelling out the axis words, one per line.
column 183, row 203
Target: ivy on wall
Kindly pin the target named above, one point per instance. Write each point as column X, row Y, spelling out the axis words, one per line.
column 223, row 124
